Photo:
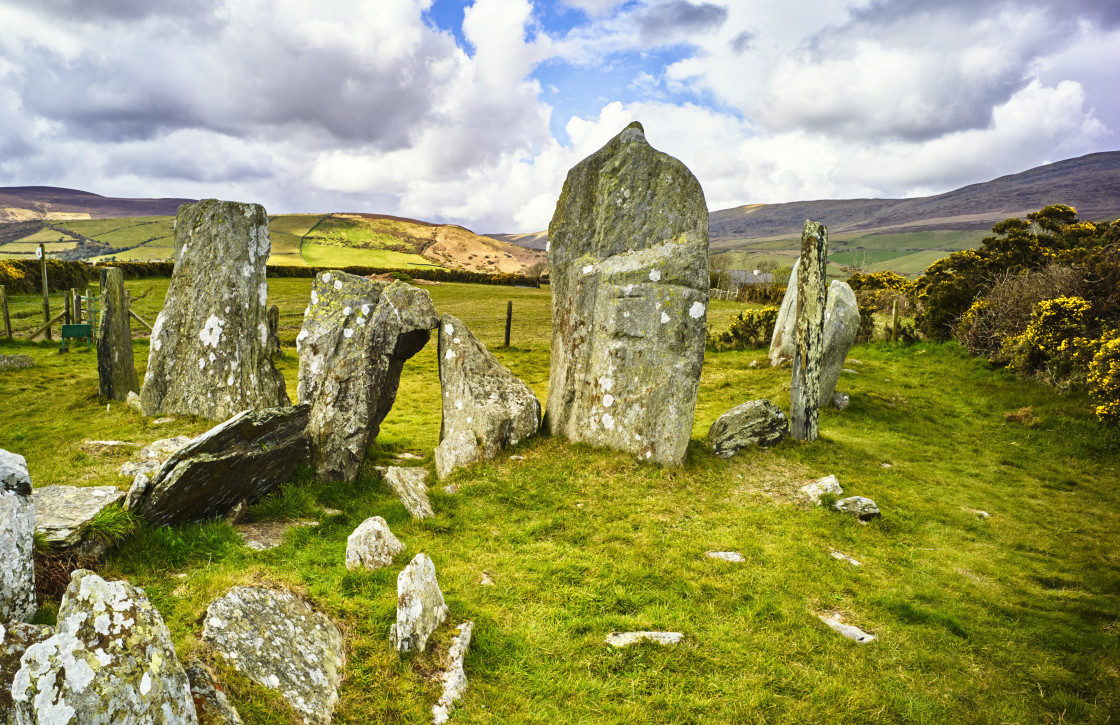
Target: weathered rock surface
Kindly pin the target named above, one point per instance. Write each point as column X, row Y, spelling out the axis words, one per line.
column 754, row 423
column 454, row 678
column 16, row 362
column 372, row 545
column 628, row 254
column 63, row 513
column 835, row 622
column 210, row 703
column 841, row 325
column 625, row 639
column 732, row 557
column 151, row 457
column 110, row 661
column 132, row 400
column 15, row 638
column 843, row 557
column 278, row 641
column 783, row 343
column 411, row 485
column 420, row 606
column 210, row 351
column 805, row 385
column 480, row 395
column 357, row 334
column 840, row 401
column 116, row 369
column 14, row 476
column 864, row 508
column 100, row 447
column 17, row 557
column 829, row 484
column 457, row 450
column 241, row 459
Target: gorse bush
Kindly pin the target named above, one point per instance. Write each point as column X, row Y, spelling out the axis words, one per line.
column 1052, row 335
column 23, row 276
column 749, row 329
column 1104, row 378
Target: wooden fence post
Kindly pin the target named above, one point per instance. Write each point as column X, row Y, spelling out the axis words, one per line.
column 46, row 300
column 7, row 318
column 77, row 302
column 66, row 309
column 894, row 321
column 509, row 319
column 89, row 306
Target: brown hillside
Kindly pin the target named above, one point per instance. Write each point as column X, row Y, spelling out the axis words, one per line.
column 19, row 203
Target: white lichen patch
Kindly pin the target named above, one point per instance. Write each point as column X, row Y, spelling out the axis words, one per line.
column 697, row 310
column 449, row 329
column 211, row 333
column 347, row 310
column 326, row 276
column 589, row 269
column 664, row 317
column 655, row 275
column 314, row 297
column 338, row 284
column 303, row 334
column 262, row 293
column 608, row 400
column 348, row 333
column 608, row 421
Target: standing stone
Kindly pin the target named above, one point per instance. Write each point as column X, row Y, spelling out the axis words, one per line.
column 783, row 343
column 420, row 606
column 628, row 257
column 357, row 334
column 754, row 423
column 841, row 325
column 116, row 370
column 17, row 541
column 480, row 396
column 805, row 388
column 276, row 640
column 110, row 661
column 210, row 353
column 372, row 545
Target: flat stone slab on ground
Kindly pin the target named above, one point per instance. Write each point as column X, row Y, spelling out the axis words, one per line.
column 454, row 678
column 843, row 557
column 733, row 557
column 278, row 641
column 836, row 623
column 62, row 513
column 625, row 639
column 16, row 362
column 411, row 486
column 265, row 535
column 98, row 447
column 829, row 484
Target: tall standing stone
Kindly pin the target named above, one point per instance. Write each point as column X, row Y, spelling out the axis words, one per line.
column 783, row 343
column 116, row 370
column 356, row 336
column 628, row 257
column 211, row 350
column 805, row 388
column 841, row 325
column 17, row 541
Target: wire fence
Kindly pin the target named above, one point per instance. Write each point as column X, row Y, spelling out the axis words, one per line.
column 25, row 313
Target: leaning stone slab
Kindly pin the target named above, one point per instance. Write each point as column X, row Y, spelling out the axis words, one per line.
column 836, row 623
column 411, row 485
column 15, row 638
column 841, row 325
column 116, row 369
column 210, row 703
column 278, row 641
column 625, row 639
column 357, row 334
column 864, row 508
column 16, row 362
column 420, row 606
column 372, row 545
column 454, row 678
column 63, row 513
column 754, row 423
column 210, row 352
column 628, row 254
column 17, row 558
column 480, row 396
column 829, row 484
column 239, row 460
column 110, row 661
column 783, row 343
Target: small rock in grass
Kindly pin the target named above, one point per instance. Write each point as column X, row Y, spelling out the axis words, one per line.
column 517, row 458
column 420, row 606
column 372, row 545
column 835, row 622
column 16, row 362
column 410, row 484
column 454, row 678
column 840, row 401
column 132, row 400
column 813, row 491
column 162, row 421
column 625, row 639
column 981, row 514
column 843, row 557
column 98, row 447
column 849, row 371
column 406, row 456
column 730, row 556
column 486, row 581
column 864, row 508
column 754, row 423
column 885, row 465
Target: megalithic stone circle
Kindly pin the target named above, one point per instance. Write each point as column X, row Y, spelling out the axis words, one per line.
column 210, row 353
column 805, row 388
column 116, row 369
column 628, row 260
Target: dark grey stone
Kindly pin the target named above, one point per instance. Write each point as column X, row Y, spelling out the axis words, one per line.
column 754, row 423
column 116, row 370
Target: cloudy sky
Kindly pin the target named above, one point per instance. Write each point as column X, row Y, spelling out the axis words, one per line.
column 472, row 112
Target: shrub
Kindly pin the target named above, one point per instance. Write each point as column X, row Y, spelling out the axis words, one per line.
column 750, row 328
column 1056, row 333
column 866, row 323
column 24, row 276
column 1104, row 378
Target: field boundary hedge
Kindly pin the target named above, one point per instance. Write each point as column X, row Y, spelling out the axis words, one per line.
column 22, row 276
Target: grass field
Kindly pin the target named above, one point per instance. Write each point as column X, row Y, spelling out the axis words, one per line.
column 46, row 236
column 865, row 257
column 284, row 243
column 1009, row 619
column 324, row 255
column 294, row 224
column 96, row 227
column 912, row 264
column 139, row 234
column 29, row 248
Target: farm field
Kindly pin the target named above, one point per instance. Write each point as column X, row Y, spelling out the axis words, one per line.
column 324, row 255
column 1010, row 617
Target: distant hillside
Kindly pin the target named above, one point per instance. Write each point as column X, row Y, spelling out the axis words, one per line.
column 906, row 235
column 24, row 203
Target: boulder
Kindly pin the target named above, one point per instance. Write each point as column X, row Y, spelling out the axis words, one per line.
column 16, row 362
column 63, row 513
column 783, row 343
column 841, row 325
column 628, row 257
column 110, row 661
column 210, row 703
column 278, row 641
column 754, row 423
column 14, row 476
column 210, row 352
column 17, row 557
column 863, row 508
column 410, row 484
column 132, row 400
column 372, row 545
column 243, row 458
column 457, row 450
column 454, row 678
column 420, row 606
column 357, row 334
column 116, row 369
column 829, row 484
column 15, row 638
column 481, row 396
column 625, row 639
column 840, row 401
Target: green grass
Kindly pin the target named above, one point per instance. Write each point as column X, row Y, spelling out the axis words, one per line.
column 49, row 247
column 911, row 264
column 294, row 224
column 284, row 243
column 1014, row 618
column 96, row 227
column 865, row 257
column 139, row 233
column 43, row 235
column 323, row 255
